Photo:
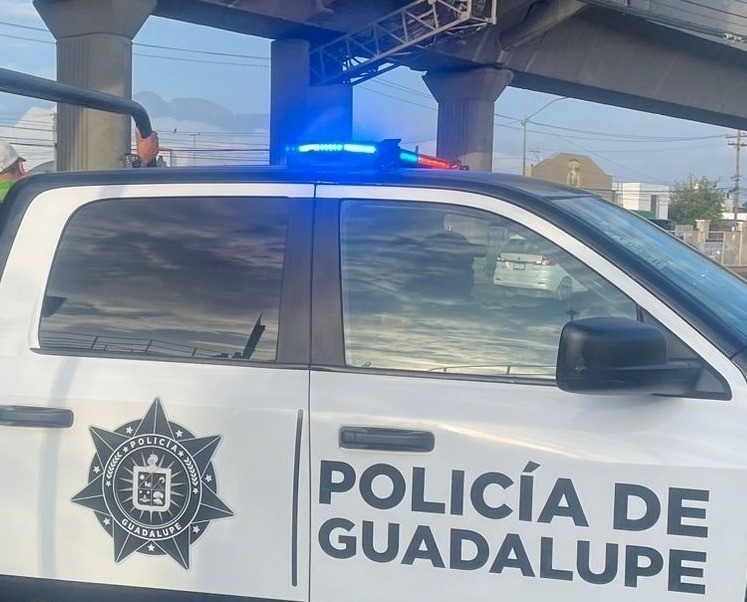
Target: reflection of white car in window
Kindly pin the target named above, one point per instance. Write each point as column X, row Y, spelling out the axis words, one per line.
column 532, row 265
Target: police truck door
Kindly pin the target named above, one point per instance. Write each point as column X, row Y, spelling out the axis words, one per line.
column 447, row 464
column 169, row 322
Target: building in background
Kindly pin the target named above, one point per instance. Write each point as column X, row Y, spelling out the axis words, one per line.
column 650, row 200
column 575, row 170
column 33, row 137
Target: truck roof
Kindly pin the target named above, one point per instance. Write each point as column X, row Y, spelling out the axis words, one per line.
column 430, row 178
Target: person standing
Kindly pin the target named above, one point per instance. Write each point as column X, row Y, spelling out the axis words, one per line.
column 11, row 168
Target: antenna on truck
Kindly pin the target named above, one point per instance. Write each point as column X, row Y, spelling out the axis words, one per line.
column 47, row 89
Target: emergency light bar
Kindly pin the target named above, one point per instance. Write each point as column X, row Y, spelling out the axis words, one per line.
column 386, row 153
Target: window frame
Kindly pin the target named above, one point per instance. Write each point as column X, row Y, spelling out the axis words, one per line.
column 293, row 342
column 328, row 290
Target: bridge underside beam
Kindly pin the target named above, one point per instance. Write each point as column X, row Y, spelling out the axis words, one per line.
column 625, row 61
column 309, row 20
column 239, row 21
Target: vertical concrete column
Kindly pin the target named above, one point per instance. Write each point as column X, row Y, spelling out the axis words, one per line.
column 466, row 103
column 94, row 50
column 300, row 112
column 290, row 79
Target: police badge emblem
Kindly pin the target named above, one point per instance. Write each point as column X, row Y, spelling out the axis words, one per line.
column 152, row 486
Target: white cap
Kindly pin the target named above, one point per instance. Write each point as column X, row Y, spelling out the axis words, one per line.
column 8, row 156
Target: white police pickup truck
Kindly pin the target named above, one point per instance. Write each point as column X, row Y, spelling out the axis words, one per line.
column 303, row 384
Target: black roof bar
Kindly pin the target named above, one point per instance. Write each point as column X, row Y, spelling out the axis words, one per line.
column 47, row 89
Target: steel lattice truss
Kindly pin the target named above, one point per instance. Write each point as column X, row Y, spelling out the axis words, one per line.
column 361, row 55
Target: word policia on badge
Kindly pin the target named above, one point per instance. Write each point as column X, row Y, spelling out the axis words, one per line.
column 634, row 508
column 152, row 486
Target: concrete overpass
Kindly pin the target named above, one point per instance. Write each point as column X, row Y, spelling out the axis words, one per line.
column 686, row 61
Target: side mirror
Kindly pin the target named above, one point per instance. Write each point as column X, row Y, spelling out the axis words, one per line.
column 618, row 356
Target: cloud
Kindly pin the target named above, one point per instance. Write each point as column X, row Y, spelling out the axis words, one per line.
column 23, row 9
column 133, row 275
column 203, row 111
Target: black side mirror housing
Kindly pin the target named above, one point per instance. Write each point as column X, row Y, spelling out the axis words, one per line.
column 618, row 356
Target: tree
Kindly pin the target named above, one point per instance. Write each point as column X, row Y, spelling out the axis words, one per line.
column 696, row 198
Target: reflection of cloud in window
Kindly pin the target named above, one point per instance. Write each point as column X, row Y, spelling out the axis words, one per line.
column 426, row 341
column 196, row 271
column 413, row 299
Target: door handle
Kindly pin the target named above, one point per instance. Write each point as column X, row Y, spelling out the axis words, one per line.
column 386, row 439
column 33, row 416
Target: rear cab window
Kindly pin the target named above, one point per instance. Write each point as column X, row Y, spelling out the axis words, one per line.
column 189, row 278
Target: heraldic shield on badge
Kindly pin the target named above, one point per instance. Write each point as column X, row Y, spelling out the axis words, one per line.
column 152, row 486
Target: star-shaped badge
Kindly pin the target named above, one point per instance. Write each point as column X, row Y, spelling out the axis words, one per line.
column 152, row 486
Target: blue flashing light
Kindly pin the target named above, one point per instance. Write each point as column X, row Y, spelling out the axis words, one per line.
column 338, row 147
column 382, row 155
column 315, row 148
column 366, row 149
column 408, row 157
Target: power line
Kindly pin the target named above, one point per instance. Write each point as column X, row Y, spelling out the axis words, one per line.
column 618, row 140
column 614, row 137
column 600, row 135
column 265, row 149
column 417, row 104
column 226, row 133
column 138, row 44
column 23, row 142
column 30, row 129
column 632, row 170
column 13, row 37
column 402, row 87
column 632, row 137
column 190, row 60
column 209, row 52
column 650, row 150
column 19, row 26
column 154, row 56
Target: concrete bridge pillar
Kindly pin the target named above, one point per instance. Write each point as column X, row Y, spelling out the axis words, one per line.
column 466, row 103
column 94, row 50
column 300, row 112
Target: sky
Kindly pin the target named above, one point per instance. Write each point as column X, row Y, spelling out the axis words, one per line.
column 175, row 60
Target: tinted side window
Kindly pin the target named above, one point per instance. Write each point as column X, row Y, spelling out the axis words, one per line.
column 450, row 289
column 185, row 278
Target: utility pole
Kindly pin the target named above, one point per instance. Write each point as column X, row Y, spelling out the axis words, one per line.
column 738, row 143
column 54, row 139
column 194, row 148
column 523, row 124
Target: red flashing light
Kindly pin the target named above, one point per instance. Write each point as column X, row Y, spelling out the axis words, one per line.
column 435, row 162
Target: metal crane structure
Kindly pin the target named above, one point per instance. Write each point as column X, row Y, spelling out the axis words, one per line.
column 382, row 45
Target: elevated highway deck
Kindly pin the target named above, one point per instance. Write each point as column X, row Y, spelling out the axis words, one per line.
column 684, row 59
